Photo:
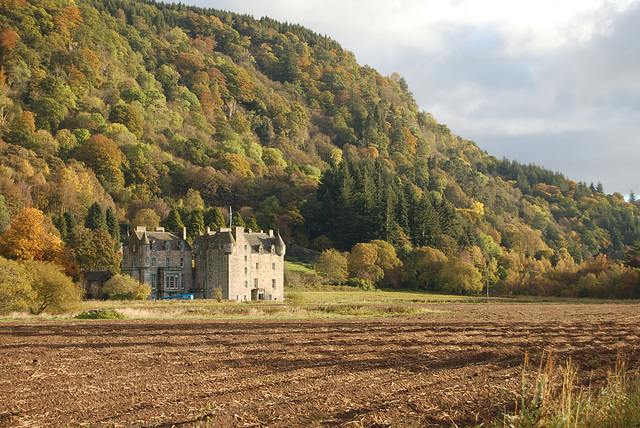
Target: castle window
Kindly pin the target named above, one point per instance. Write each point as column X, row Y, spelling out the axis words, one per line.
column 255, row 283
column 167, row 245
column 133, row 262
column 246, row 284
column 153, row 262
column 245, row 270
column 181, row 262
column 256, row 266
column 182, row 281
column 245, row 259
column 273, row 284
column 171, row 281
column 147, row 260
column 273, row 266
column 154, row 280
column 245, row 248
column 166, row 262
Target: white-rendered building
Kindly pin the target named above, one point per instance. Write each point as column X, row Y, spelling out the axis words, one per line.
column 242, row 264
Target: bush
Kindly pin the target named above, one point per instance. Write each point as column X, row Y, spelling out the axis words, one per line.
column 363, row 284
column 101, row 314
column 124, row 287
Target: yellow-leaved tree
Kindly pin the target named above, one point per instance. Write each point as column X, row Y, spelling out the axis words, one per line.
column 28, row 239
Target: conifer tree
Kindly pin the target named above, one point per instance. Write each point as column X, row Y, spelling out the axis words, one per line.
column 173, row 221
column 113, row 227
column 194, row 224
column 95, row 218
column 252, row 224
column 238, row 221
column 213, row 218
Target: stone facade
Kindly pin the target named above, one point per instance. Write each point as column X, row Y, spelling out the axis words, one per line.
column 161, row 259
column 242, row 264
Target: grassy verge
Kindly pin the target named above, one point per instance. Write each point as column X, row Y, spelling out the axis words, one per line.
column 558, row 399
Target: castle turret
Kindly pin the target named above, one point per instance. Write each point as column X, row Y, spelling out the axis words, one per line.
column 225, row 242
column 281, row 248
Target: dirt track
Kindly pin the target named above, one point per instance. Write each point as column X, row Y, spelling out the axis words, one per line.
column 423, row 370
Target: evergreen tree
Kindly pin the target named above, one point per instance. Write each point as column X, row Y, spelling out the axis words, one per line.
column 213, row 218
column 113, row 227
column 173, row 221
column 95, row 218
column 69, row 221
column 252, row 223
column 194, row 224
column 238, row 221
column 61, row 224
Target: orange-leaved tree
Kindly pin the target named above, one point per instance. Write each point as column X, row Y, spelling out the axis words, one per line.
column 29, row 239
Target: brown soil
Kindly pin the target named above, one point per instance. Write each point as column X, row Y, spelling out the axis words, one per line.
column 435, row 369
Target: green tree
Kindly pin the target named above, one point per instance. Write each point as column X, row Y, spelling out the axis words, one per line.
column 252, row 223
column 238, row 221
column 460, row 277
column 16, row 293
column 362, row 262
column 54, row 292
column 124, row 287
column 95, row 218
column 146, row 217
column 105, row 158
column 332, row 266
column 213, row 218
column 113, row 226
column 127, row 115
column 94, row 249
column 5, row 217
column 173, row 221
column 194, row 224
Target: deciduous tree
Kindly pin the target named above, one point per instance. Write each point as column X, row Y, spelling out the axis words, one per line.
column 16, row 293
column 28, row 238
column 332, row 266
column 124, row 287
column 54, row 292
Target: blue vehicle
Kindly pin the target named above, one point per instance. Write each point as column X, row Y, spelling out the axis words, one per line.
column 180, row 297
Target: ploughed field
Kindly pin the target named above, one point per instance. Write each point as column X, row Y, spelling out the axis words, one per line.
column 460, row 367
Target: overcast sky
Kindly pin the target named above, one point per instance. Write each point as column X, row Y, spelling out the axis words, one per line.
column 550, row 82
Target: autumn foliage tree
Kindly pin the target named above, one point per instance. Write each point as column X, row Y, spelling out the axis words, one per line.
column 332, row 266
column 28, row 238
column 16, row 293
column 105, row 158
column 54, row 292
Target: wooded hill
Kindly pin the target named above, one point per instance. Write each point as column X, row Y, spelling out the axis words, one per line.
column 149, row 109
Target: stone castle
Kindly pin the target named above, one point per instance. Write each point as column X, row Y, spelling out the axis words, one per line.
column 237, row 263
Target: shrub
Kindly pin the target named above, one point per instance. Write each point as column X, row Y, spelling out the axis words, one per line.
column 101, row 314
column 217, row 294
column 124, row 287
column 363, row 284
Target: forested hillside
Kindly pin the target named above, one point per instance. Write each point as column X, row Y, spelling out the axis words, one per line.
column 164, row 114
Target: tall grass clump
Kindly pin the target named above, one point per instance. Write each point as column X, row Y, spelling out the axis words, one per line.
column 559, row 401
